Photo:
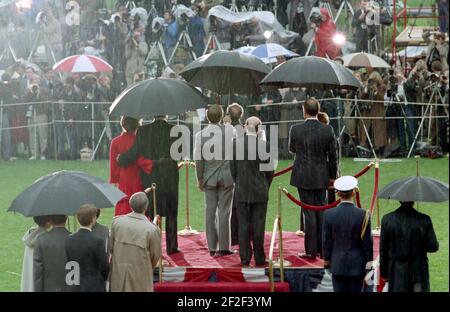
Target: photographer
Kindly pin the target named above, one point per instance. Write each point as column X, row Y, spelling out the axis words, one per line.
column 170, row 33
column 51, row 28
column 363, row 32
column 37, row 116
column 374, row 91
column 398, row 107
column 197, row 32
column 437, row 49
column 135, row 53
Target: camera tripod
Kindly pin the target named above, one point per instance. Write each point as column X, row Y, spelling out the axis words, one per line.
column 8, row 51
column 158, row 47
column 233, row 7
column 346, row 7
column 152, row 13
column 326, row 4
column 183, row 39
column 435, row 92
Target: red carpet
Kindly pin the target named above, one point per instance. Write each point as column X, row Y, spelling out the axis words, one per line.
column 194, row 253
column 220, row 287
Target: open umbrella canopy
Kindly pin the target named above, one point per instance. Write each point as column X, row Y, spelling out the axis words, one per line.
column 157, row 97
column 227, row 72
column 63, row 192
column 365, row 60
column 311, row 72
column 269, row 52
column 82, row 64
column 416, row 188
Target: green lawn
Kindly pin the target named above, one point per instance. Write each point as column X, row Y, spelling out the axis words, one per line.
column 16, row 176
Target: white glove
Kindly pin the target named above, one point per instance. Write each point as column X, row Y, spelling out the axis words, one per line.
column 369, row 265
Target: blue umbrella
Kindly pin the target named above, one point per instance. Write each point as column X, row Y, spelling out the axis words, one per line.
column 268, row 52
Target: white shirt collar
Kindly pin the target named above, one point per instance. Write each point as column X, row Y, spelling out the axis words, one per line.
column 86, row 228
column 347, row 201
column 312, row 118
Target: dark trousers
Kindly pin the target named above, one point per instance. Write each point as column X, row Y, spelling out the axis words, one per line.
column 313, row 220
column 234, row 228
column 171, row 227
column 348, row 283
column 252, row 221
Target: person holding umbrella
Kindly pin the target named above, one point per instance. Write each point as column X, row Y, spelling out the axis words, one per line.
column 408, row 235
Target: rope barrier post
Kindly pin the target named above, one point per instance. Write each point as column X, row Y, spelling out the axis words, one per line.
column 281, row 263
column 187, row 229
column 154, row 202
column 374, row 201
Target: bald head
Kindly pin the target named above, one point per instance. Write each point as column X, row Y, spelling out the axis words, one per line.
column 139, row 202
column 252, row 124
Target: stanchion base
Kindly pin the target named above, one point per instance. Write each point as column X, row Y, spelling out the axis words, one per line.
column 165, row 263
column 286, row 263
column 188, row 231
column 376, row 232
column 300, row 233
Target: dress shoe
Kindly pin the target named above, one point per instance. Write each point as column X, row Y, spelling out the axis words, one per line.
column 306, row 256
column 212, row 253
column 264, row 264
column 226, row 252
column 245, row 264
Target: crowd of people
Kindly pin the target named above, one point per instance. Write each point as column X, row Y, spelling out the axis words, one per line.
column 127, row 39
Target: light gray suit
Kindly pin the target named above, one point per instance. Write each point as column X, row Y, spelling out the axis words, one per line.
column 214, row 174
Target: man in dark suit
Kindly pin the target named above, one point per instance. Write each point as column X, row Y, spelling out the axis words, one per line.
column 344, row 252
column 406, row 237
column 89, row 252
column 251, row 194
column 101, row 231
column 235, row 111
column 49, row 259
column 314, row 146
column 153, row 142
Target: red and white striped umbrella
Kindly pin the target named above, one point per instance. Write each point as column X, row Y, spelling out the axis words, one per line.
column 82, row 64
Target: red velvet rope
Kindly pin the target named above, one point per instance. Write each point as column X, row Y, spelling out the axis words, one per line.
column 334, row 204
column 276, row 174
column 310, row 207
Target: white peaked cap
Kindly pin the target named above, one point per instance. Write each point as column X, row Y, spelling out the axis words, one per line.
column 346, row 183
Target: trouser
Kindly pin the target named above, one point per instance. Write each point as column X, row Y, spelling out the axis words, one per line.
column 171, row 228
column 348, row 283
column 313, row 219
column 234, row 228
column 252, row 221
column 218, row 202
column 38, row 134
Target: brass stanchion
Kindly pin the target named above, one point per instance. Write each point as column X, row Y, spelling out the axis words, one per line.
column 280, row 262
column 377, row 230
column 187, row 231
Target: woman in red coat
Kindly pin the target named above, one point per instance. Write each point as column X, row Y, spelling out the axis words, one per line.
column 127, row 179
column 325, row 32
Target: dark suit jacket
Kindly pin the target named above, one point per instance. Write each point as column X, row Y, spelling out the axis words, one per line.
column 153, row 141
column 342, row 243
column 101, row 231
column 89, row 251
column 314, row 145
column 49, row 261
column 251, row 184
column 406, row 237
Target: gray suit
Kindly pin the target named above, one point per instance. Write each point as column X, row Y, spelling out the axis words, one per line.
column 214, row 174
column 49, row 261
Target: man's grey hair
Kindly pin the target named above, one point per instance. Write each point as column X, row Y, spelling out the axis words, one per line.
column 139, row 202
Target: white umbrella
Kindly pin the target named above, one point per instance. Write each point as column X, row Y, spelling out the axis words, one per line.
column 363, row 59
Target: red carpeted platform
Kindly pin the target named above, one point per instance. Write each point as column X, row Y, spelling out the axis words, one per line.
column 193, row 268
column 194, row 253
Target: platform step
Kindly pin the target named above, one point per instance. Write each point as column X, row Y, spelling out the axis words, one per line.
column 219, row 287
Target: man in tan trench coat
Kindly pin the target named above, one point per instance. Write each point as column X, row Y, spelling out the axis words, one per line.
column 135, row 247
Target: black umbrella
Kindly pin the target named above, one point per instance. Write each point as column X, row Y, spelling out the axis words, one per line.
column 416, row 188
column 227, row 72
column 311, row 72
column 158, row 97
column 63, row 192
